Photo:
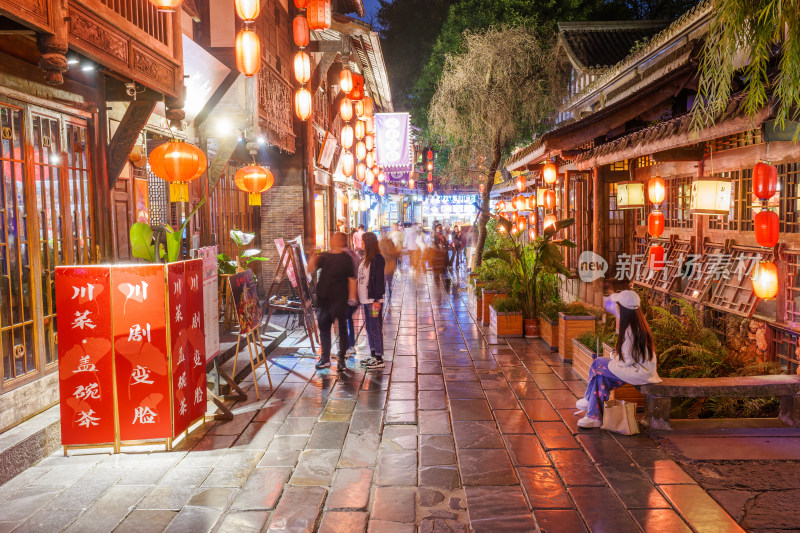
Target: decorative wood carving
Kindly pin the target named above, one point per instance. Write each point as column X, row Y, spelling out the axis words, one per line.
column 275, row 109
column 125, row 137
column 34, row 13
column 97, row 35
column 54, row 46
column 153, row 68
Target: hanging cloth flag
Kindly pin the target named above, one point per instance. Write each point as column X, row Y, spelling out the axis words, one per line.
column 393, row 142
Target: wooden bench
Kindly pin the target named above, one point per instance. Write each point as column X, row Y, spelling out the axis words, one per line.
column 658, row 396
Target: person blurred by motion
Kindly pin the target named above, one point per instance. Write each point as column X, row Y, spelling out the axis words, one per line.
column 411, row 244
column 358, row 244
column 352, row 307
column 391, row 255
column 371, row 288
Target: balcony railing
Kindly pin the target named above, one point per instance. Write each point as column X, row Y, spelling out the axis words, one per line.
column 144, row 15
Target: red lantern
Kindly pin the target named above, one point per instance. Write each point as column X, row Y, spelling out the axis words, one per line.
column 381, row 176
column 178, row 163
column 767, row 228
column 370, row 159
column 500, row 207
column 411, row 183
column 254, row 180
column 521, row 223
column 430, row 187
column 370, row 179
column 765, row 180
column 319, row 14
column 481, row 188
column 248, row 10
column 166, row 6
column 370, row 125
column 656, row 189
column 248, row 52
column 368, row 106
column 430, row 176
column 429, row 166
column 655, row 223
column 549, row 199
column 347, row 136
column 531, row 202
column 765, row 280
column 360, row 109
column 381, row 189
column 549, row 221
column 369, row 140
column 300, row 4
column 358, row 88
column 346, row 81
column 361, row 172
column 533, row 219
column 430, row 155
column 376, row 186
column 532, row 233
column 361, row 150
column 360, row 129
column 302, row 103
column 655, row 258
column 520, row 183
column 302, row 67
column 347, row 164
column 300, row 31
column 346, row 109
column 375, row 170
column 550, row 173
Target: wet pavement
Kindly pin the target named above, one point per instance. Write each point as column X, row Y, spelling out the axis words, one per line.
column 459, row 432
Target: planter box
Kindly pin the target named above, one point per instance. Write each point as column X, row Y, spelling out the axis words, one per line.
column 478, row 309
column 506, row 324
column 570, row 327
column 582, row 358
column 629, row 393
column 488, row 298
column 549, row 332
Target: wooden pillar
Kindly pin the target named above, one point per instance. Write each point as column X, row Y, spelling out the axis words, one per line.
column 53, row 48
column 309, row 218
column 102, row 194
column 599, row 225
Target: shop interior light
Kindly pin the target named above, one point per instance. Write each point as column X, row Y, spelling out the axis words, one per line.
column 711, row 196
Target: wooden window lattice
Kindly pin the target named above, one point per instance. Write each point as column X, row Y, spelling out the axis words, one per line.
column 789, row 212
column 674, row 265
column 700, row 281
column 676, row 204
column 785, row 349
column 791, row 287
column 735, row 294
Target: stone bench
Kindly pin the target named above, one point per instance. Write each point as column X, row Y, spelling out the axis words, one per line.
column 658, row 396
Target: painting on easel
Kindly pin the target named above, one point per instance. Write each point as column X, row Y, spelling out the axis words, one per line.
column 245, row 298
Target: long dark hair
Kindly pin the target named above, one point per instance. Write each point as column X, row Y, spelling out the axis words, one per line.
column 642, row 348
column 371, row 247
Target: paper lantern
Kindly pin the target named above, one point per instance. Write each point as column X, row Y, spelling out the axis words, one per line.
column 765, row 180
column 347, row 164
column 361, row 172
column 656, row 190
column 630, row 195
column 521, row 183
column 369, row 140
column 549, row 199
column 532, row 234
column 360, row 108
column 711, row 196
column 368, row 106
column 318, row 13
column 300, row 31
column 369, row 179
column 361, row 150
column 178, row 163
column 430, row 176
column 248, row 52
column 254, row 180
column 514, row 230
column 533, row 219
column 521, row 223
column 375, row 170
column 500, row 206
column 166, row 6
column 655, row 223
column 358, row 88
column 655, row 258
column 376, row 186
column 767, row 228
column 550, row 173
column 302, row 67
column 300, row 4
column 549, row 222
column 381, row 176
column 346, row 109
column 429, row 166
column 302, row 103
column 411, row 183
column 369, row 159
column 531, row 202
column 370, row 125
column 481, row 188
column 765, row 280
column 248, row 10
column 430, row 187
column 346, row 139
column 360, row 129
column 430, row 154
column 346, row 80
column 381, row 189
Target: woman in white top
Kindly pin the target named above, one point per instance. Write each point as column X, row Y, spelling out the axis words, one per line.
column 634, row 360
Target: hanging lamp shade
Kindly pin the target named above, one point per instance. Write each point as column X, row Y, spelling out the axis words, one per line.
column 376, row 186
column 767, row 228
column 347, row 164
column 430, row 187
column 248, row 10
column 361, row 151
column 711, row 196
column 549, row 173
column 765, row 280
column 655, row 258
column 630, row 195
column 532, row 234
column 381, row 189
column 531, row 202
column 368, row 106
column 302, row 67
column 549, row 222
column 318, row 13
column 359, row 105
column 521, row 223
column 346, row 109
column 411, row 183
column 520, row 183
column 549, row 199
column 302, row 103
column 369, row 140
column 178, row 163
column 430, row 154
column 375, row 170
column 166, row 6
column 254, row 180
column 300, row 31
column 370, row 125
column 301, row 4
column 381, row 176
column 533, row 219
column 655, row 223
column 369, row 159
column 765, row 180
column 369, row 179
column 248, row 52
column 430, row 176
column 346, row 81
column 360, row 129
column 656, row 190
column 361, row 172
column 346, row 138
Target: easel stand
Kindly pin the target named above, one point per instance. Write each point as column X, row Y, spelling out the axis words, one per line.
column 253, row 344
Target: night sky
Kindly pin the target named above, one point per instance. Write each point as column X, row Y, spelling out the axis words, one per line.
column 371, row 7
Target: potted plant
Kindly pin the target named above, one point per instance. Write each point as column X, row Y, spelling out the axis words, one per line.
column 506, row 316
column 493, row 275
column 587, row 346
column 227, row 265
column 574, row 320
column 490, row 291
column 548, row 325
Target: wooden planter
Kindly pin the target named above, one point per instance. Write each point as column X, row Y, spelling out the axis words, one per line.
column 489, row 297
column 570, row 327
column 549, row 332
column 629, row 393
column 478, row 309
column 582, row 358
column 506, row 324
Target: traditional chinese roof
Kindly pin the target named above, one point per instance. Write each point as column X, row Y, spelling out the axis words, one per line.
column 353, row 6
column 596, row 45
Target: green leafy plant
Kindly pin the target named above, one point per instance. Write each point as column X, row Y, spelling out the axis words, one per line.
column 550, row 310
column 493, row 285
column 507, row 304
column 227, row 265
column 146, row 241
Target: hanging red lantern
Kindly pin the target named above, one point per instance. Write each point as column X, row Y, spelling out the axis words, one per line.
column 521, row 223
column 765, row 280
column 430, row 187
column 302, row 67
column 765, row 180
column 248, row 52
column 358, row 88
column 360, row 129
column 346, row 80
column 370, row 159
column 301, row 4
column 381, row 189
column 370, row 179
column 318, row 13
column 549, row 199
column 531, row 202
column 254, row 180
column 549, row 222
column 655, row 223
column 500, row 227
column 381, row 176
column 178, row 163
column 369, row 140
column 533, row 219
column 368, row 106
column 361, row 172
column 359, row 105
column 514, row 230
column 481, row 188
column 370, row 125
column 430, row 155
column 655, row 258
column 429, row 166
column 346, row 138
column 361, row 150
column 248, row 10
column 346, row 109
column 166, row 6
column 347, row 164
column 549, row 173
column 376, row 186
column 430, row 176
column 532, row 234
column 767, row 228
column 656, row 190
column 375, row 170
column 411, row 183
column 302, row 103
column 300, row 31
column 500, row 206
column 520, row 183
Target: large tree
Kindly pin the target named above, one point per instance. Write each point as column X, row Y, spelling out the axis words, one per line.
column 506, row 80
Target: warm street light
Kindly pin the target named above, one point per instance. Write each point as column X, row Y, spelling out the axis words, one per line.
column 549, row 173
column 765, row 280
column 248, row 52
column 248, row 10
column 630, row 195
column 254, row 180
column 656, row 190
column 167, row 6
column 711, row 196
column 302, row 103
column 302, row 67
column 178, row 163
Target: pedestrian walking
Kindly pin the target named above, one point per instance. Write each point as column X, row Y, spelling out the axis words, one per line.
column 411, row 244
column 391, row 254
column 371, row 289
column 352, row 307
column 358, row 244
column 336, row 287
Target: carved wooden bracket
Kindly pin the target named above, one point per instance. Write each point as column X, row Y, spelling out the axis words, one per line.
column 220, row 161
column 125, row 137
column 54, row 47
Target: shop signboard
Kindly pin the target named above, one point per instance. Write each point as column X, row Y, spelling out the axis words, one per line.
column 245, row 299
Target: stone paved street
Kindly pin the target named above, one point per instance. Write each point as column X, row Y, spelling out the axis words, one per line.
column 459, row 432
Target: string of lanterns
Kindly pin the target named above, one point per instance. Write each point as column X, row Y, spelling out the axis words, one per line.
column 429, row 168
column 313, row 15
column 248, row 45
column 656, row 192
column 767, row 229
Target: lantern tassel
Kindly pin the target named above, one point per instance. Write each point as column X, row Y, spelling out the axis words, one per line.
column 179, row 191
column 255, row 199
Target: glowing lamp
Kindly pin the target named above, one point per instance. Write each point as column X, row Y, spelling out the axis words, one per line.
column 166, row 6
column 300, row 4
column 346, row 81
column 359, row 108
column 655, row 258
column 521, row 223
column 765, row 280
column 248, row 10
column 411, row 183
column 711, row 196
column 381, row 189
column 318, row 13
column 369, row 179
column 346, row 109
column 178, row 163
column 375, row 170
column 549, row 173
column 549, row 199
column 361, row 172
column 765, row 180
column 248, row 52
column 520, row 183
column 430, row 187
column 368, row 106
column 533, row 219
column 369, row 140
column 300, row 31
column 630, row 195
column 656, row 190
column 369, row 159
column 430, row 154
column 766, row 224
column 302, row 67
column 481, row 188
column 360, row 129
column 381, row 176
column 430, row 176
column 549, row 222
column 302, row 103
column 532, row 233
column 347, row 164
column 429, row 166
column 254, row 180
column 501, row 206
column 531, row 202
column 376, row 186
column 370, row 125
column 346, row 139
column 655, row 223
column 514, row 230
column 361, row 151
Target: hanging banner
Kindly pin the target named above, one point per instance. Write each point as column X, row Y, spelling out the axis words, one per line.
column 393, row 142
column 397, row 176
column 208, row 255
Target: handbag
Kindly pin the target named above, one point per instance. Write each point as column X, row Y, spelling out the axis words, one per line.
column 620, row 417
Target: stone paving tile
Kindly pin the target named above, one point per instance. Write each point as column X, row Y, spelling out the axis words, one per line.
column 109, row 510
column 194, row 520
column 696, row 506
column 477, row 434
column 470, row 410
column 660, row 520
column 526, row 450
column 48, row 519
column 555, row 435
column 544, row 489
column 633, row 487
column 576, row 469
column 561, row 521
column 513, row 421
column 315, row 467
column 601, row 510
column 174, row 490
column 328, row 436
column 343, row 522
column 397, row 468
column 146, row 521
column 401, row 411
column 434, row 423
column 243, row 522
column 496, row 509
column 485, row 467
column 394, row 504
column 350, row 489
column 262, row 489
column 431, row 400
column 298, row 510
column 436, row 450
column 539, row 410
